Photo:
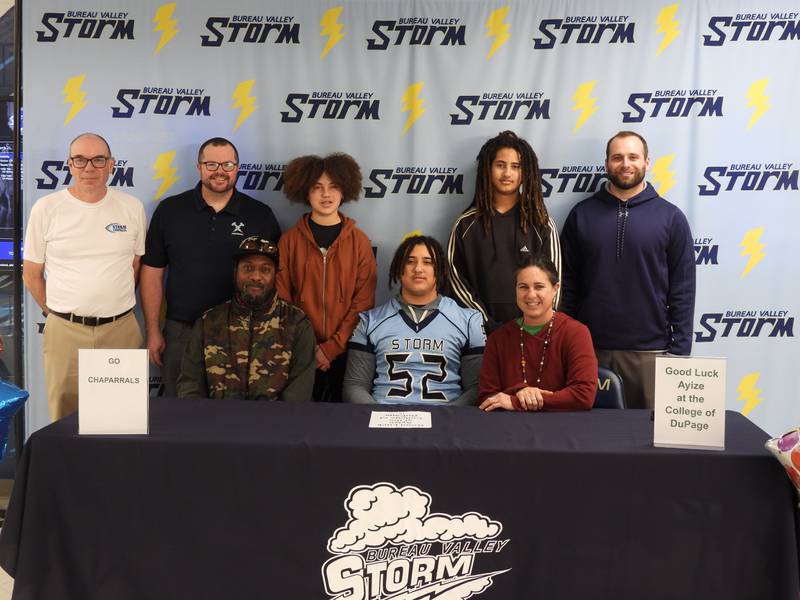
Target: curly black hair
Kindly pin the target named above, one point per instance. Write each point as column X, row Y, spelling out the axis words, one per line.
column 303, row 172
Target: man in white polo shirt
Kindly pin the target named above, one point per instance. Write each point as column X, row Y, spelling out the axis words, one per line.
column 82, row 250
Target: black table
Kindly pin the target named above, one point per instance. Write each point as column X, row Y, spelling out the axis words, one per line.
column 250, row 500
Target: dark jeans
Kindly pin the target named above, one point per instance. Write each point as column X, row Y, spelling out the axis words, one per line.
column 328, row 384
column 176, row 336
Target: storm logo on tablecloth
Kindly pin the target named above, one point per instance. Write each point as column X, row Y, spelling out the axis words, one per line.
column 393, row 548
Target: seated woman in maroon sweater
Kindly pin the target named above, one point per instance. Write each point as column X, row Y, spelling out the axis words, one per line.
column 543, row 360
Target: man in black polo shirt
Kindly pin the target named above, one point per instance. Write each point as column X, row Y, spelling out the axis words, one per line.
column 195, row 234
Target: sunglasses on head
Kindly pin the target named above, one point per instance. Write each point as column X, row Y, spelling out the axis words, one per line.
column 255, row 244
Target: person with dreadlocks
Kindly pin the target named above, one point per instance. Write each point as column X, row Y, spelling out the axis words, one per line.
column 420, row 347
column 505, row 224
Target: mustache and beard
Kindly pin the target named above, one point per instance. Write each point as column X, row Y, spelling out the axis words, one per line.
column 255, row 295
column 626, row 181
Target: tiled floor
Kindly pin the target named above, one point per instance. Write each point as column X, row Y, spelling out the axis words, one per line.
column 6, row 585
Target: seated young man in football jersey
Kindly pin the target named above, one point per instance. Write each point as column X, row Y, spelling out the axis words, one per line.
column 420, row 347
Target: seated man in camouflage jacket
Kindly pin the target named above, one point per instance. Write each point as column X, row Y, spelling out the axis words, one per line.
column 255, row 346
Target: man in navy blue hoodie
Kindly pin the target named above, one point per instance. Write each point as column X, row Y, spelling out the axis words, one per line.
column 629, row 271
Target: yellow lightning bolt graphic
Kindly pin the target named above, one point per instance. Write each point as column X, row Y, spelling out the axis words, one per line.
column 74, row 95
column 668, row 25
column 244, row 101
column 662, row 176
column 758, row 99
column 165, row 172
column 584, row 102
column 412, row 102
column 414, row 233
column 752, row 247
column 165, row 24
column 497, row 28
column 749, row 393
column 331, row 28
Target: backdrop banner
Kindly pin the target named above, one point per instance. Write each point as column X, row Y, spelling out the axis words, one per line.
column 413, row 88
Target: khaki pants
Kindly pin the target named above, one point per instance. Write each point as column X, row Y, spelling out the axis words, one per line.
column 638, row 373
column 63, row 339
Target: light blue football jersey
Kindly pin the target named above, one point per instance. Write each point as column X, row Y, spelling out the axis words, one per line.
column 418, row 363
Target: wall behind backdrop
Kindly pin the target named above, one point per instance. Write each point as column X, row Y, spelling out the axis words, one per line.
column 412, row 89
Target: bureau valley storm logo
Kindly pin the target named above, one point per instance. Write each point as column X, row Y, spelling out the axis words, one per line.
column 673, row 103
column 500, row 106
column 331, row 105
column 705, row 251
column 56, row 173
column 752, row 27
column 585, row 29
column 750, row 177
column 749, row 323
column 85, row 25
column 414, row 180
column 579, row 179
column 251, row 29
column 161, row 101
column 393, row 548
column 261, row 176
column 417, row 31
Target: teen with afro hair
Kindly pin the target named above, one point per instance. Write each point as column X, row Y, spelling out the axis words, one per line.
column 327, row 267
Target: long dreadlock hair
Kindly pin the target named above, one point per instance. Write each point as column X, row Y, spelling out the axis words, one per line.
column 440, row 266
column 531, row 205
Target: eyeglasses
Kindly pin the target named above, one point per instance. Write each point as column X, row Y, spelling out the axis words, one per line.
column 227, row 166
column 98, row 162
column 258, row 245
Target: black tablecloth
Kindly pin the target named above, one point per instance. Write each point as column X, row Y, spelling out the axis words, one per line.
column 250, row 500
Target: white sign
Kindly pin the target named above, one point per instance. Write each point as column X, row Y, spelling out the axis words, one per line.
column 690, row 403
column 112, row 392
column 400, row 420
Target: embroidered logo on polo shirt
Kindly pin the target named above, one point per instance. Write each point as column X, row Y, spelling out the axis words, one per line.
column 524, row 249
column 116, row 228
column 237, row 228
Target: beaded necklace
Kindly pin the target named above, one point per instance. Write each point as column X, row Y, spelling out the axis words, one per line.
column 544, row 351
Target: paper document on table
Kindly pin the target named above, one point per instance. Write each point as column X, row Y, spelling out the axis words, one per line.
column 400, row 420
column 112, row 392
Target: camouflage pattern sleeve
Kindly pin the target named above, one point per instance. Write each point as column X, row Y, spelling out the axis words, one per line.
column 302, row 366
column 192, row 381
